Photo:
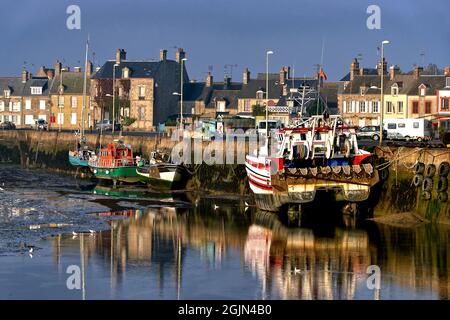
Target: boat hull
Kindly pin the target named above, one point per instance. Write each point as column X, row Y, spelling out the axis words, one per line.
column 162, row 176
column 124, row 174
column 77, row 162
column 296, row 186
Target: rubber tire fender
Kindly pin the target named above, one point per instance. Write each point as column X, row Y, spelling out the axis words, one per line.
column 443, row 196
column 418, row 180
column 430, row 170
column 442, row 184
column 444, row 169
column 427, row 184
column 419, row 168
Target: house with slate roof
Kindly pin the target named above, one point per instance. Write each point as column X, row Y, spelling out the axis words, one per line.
column 144, row 89
column 66, row 95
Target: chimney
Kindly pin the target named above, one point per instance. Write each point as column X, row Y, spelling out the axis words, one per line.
column 393, row 71
column 209, row 79
column 285, row 90
column 25, row 76
column 77, row 69
column 447, row 71
column 354, row 69
column 382, row 64
column 287, row 69
column 58, row 67
column 162, row 55
column 283, row 75
column 246, row 76
column 180, row 55
column 121, row 55
column 41, row 72
column 226, row 81
column 417, row 72
column 89, row 68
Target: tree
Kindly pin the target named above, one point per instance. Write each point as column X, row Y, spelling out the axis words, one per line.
column 258, row 110
column 311, row 110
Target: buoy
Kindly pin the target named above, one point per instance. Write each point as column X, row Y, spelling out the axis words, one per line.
column 336, row 169
column 419, row 168
column 427, row 184
column 444, row 169
column 357, row 169
column 418, row 180
column 304, row 171
column 313, row 171
column 346, row 170
column 325, row 170
column 368, row 168
column 430, row 171
column 442, row 184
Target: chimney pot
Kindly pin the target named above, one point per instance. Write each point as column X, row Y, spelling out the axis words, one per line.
column 418, row 72
column 162, row 55
column 246, row 76
column 58, row 67
column 209, row 79
column 180, row 55
column 121, row 55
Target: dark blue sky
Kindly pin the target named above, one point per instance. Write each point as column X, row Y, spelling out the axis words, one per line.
column 223, row 32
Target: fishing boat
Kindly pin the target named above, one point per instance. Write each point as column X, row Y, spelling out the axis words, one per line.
column 80, row 157
column 318, row 153
column 116, row 163
column 160, row 173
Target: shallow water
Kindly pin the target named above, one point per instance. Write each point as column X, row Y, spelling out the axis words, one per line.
column 175, row 246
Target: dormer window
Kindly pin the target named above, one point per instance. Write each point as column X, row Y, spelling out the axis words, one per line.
column 36, row 90
column 125, row 73
column 422, row 90
column 362, row 91
column 7, row 93
column 447, row 82
column 394, row 90
column 259, row 94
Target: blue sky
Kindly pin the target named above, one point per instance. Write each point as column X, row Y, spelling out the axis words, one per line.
column 223, row 32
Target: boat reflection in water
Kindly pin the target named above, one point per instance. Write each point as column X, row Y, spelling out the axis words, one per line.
column 225, row 251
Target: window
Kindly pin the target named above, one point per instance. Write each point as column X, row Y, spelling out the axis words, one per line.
column 402, row 125
column 73, row 119
column 392, row 126
column 141, row 92
column 362, row 107
column 344, row 106
column 415, row 125
column 141, row 113
column 389, row 107
column 350, row 106
column 7, row 94
column 394, row 91
column 447, row 82
column 28, row 104
column 2, row 106
column 247, row 105
column 29, row 119
column 42, row 104
column 60, row 118
column 415, row 107
column 444, row 103
column 375, row 107
column 400, row 106
column 16, row 107
column 220, row 106
column 422, row 91
column 362, row 90
column 427, row 106
column 74, row 102
column 36, row 90
column 61, row 101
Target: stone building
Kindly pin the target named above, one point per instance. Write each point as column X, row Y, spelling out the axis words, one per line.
column 144, row 89
column 66, row 95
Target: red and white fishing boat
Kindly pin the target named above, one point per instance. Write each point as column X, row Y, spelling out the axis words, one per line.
column 320, row 153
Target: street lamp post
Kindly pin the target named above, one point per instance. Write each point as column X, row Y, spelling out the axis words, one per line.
column 267, row 96
column 382, row 87
column 114, row 98
column 181, row 93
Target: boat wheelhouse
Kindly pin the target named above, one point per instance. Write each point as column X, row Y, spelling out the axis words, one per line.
column 319, row 153
column 115, row 162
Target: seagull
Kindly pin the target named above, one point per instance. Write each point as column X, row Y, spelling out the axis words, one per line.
column 1, row 189
column 91, row 231
column 74, row 234
column 246, row 204
column 31, row 250
column 216, row 207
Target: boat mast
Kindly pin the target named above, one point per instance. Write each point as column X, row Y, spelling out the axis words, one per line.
column 83, row 109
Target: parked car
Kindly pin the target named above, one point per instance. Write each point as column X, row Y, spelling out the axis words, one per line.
column 370, row 132
column 41, row 124
column 7, row 125
column 106, row 125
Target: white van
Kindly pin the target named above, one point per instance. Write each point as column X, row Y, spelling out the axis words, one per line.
column 408, row 129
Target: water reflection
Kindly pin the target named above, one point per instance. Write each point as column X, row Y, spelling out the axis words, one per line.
column 225, row 252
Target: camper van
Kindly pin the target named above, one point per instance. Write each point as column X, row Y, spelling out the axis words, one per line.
column 408, row 129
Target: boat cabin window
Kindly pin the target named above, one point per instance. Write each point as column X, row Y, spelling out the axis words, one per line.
column 392, row 126
column 415, row 125
column 401, row 125
column 272, row 125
